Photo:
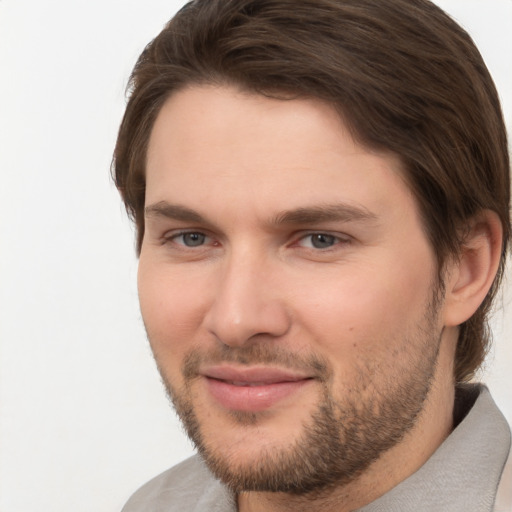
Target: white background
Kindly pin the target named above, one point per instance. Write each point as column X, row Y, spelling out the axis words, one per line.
column 84, row 420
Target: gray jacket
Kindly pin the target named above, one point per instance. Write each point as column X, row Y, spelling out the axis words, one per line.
column 462, row 475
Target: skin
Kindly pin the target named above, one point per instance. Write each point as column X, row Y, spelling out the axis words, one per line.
column 261, row 284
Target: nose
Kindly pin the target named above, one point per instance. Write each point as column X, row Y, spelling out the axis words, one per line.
column 247, row 304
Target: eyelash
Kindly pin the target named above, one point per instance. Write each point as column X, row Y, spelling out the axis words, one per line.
column 334, row 239
column 174, row 236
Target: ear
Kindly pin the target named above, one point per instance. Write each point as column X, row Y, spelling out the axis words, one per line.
column 470, row 277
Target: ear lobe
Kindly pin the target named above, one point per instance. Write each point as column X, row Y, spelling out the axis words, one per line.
column 470, row 277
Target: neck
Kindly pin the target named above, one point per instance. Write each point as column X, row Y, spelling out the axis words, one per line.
column 433, row 425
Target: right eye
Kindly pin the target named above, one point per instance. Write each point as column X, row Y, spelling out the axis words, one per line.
column 189, row 238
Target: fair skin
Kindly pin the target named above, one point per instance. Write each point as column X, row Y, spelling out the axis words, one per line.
column 285, row 266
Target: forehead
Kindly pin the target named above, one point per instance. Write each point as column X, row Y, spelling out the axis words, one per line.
column 218, row 116
column 218, row 145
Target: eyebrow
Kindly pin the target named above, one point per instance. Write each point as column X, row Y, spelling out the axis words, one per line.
column 173, row 211
column 339, row 212
column 326, row 213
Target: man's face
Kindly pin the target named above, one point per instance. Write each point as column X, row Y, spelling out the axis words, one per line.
column 287, row 288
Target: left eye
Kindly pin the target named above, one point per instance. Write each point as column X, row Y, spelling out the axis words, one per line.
column 191, row 239
column 319, row 240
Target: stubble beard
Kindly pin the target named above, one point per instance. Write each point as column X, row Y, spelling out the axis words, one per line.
column 340, row 440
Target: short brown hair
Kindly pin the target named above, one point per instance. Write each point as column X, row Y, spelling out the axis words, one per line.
column 403, row 75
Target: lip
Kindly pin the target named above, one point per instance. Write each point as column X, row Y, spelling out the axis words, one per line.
column 252, row 389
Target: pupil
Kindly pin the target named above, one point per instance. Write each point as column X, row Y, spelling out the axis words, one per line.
column 322, row 241
column 193, row 239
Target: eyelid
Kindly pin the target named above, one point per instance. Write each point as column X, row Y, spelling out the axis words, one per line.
column 340, row 238
column 173, row 234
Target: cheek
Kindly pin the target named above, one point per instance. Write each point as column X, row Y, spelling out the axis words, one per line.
column 367, row 313
column 172, row 309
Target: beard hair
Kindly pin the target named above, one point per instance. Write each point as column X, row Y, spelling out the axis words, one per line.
column 341, row 438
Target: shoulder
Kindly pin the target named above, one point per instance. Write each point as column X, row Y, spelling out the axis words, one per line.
column 464, row 472
column 181, row 488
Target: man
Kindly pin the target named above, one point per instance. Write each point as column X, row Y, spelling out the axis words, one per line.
column 321, row 195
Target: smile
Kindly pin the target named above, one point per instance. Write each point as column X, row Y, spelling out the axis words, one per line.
column 250, row 384
column 252, row 389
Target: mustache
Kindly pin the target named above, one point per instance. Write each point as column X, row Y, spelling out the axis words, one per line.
column 254, row 355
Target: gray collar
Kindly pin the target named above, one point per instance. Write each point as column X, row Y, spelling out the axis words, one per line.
column 464, row 472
